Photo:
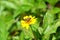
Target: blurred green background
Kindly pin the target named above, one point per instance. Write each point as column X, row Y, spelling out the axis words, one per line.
column 47, row 13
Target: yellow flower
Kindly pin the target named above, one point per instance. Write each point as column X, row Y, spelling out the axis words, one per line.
column 27, row 21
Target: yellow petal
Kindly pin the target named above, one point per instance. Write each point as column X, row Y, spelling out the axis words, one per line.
column 25, row 17
column 30, row 16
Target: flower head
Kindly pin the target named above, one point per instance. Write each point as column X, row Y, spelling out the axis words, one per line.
column 27, row 21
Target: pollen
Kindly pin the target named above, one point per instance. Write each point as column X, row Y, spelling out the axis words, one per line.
column 27, row 21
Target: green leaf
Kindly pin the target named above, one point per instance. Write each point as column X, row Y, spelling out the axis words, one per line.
column 55, row 26
column 9, row 23
column 15, row 38
column 22, row 36
column 35, row 26
column 54, row 38
column 8, row 4
column 1, row 9
column 51, row 29
column 27, row 2
column 48, row 19
column 36, row 34
column 40, row 4
column 55, row 10
column 40, row 29
column 3, row 30
column 59, row 15
column 19, row 25
column 21, row 10
column 7, row 18
column 48, row 23
column 28, row 33
column 52, row 2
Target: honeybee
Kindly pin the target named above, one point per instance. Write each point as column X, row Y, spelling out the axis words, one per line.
column 27, row 20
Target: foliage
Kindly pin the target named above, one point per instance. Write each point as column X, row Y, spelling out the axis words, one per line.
column 47, row 13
